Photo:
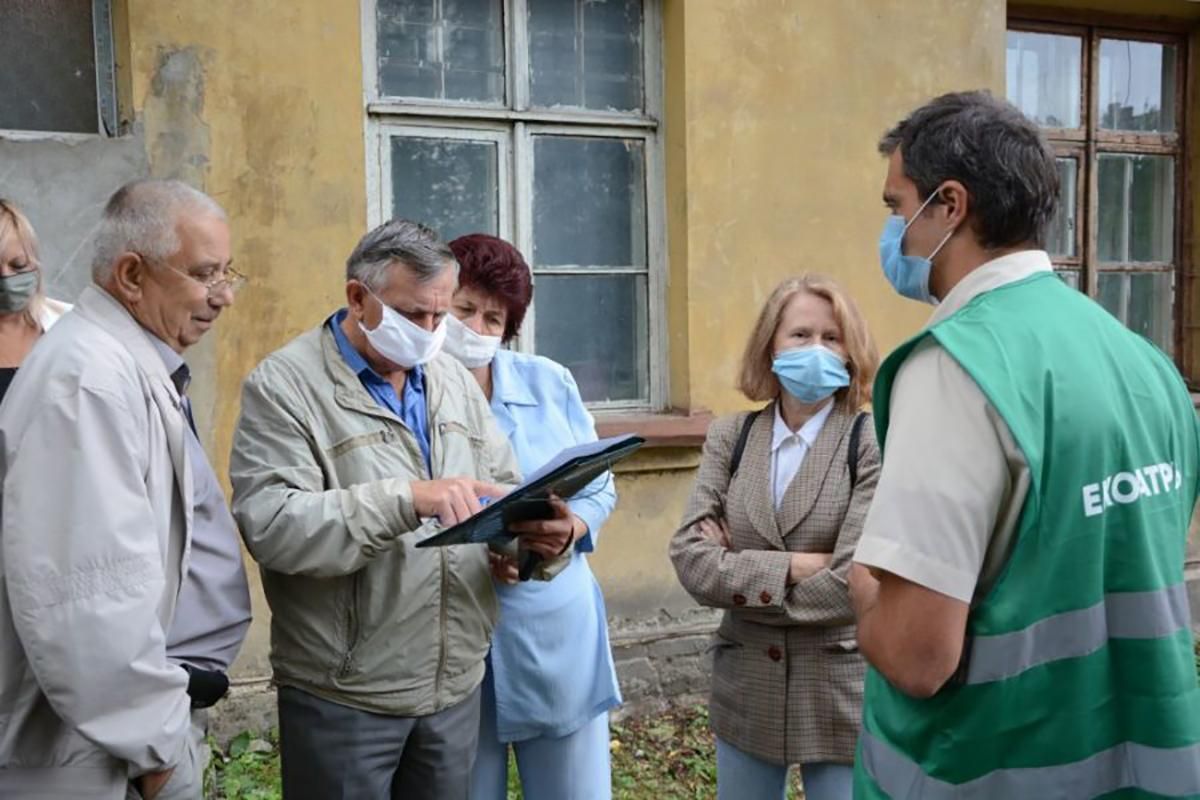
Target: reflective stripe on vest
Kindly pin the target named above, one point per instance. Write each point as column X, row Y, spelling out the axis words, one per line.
column 1171, row 772
column 1073, row 634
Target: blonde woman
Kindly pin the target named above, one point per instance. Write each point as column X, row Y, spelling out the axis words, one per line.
column 768, row 535
column 25, row 313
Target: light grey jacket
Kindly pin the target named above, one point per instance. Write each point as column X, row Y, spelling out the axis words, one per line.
column 321, row 490
column 95, row 538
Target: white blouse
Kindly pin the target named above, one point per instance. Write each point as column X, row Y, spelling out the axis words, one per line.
column 789, row 449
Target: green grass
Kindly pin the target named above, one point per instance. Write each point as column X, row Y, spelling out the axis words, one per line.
column 670, row 756
column 248, row 770
column 667, row 756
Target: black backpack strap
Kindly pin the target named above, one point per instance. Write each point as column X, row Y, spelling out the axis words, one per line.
column 852, row 456
column 736, row 460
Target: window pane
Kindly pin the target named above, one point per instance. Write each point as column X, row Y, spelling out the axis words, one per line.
column 586, row 53
column 441, row 49
column 597, row 326
column 449, row 184
column 1137, row 208
column 1060, row 241
column 1143, row 301
column 1137, row 86
column 1150, row 304
column 1069, row 276
column 47, row 66
column 589, row 202
column 1044, row 77
column 1110, row 293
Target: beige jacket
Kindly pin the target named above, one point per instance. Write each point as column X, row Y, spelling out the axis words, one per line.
column 787, row 676
column 96, row 538
column 321, row 478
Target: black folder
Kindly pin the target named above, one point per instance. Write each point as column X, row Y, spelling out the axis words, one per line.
column 564, row 476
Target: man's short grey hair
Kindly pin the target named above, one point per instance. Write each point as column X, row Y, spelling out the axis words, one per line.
column 141, row 216
column 399, row 241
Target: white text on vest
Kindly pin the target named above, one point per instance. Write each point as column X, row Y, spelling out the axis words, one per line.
column 1128, row 487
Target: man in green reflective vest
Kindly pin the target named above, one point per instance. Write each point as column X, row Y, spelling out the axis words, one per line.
column 1019, row 582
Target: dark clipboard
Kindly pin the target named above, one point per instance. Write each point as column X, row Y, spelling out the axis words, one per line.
column 530, row 500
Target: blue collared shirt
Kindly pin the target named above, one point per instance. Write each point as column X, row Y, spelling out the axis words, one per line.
column 410, row 407
column 551, row 660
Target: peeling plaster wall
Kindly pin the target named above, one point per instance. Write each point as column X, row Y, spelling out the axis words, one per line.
column 260, row 104
column 62, row 186
column 177, row 134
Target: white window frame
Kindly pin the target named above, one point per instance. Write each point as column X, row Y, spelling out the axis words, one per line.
column 438, row 129
column 514, row 124
column 106, row 86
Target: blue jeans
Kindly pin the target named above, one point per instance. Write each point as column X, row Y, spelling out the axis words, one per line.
column 741, row 776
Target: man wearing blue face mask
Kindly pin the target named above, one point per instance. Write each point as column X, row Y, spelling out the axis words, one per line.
column 355, row 441
column 1019, row 581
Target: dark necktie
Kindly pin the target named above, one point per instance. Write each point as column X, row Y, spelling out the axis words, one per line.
column 181, row 378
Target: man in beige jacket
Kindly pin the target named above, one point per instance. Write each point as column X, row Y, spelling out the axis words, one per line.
column 123, row 598
column 355, row 441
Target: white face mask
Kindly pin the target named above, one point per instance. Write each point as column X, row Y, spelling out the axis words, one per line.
column 471, row 348
column 403, row 342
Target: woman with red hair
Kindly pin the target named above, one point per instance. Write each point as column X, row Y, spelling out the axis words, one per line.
column 550, row 681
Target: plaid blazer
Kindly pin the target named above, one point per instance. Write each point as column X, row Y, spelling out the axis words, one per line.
column 787, row 676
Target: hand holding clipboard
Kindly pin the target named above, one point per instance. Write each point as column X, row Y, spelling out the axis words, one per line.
column 564, row 476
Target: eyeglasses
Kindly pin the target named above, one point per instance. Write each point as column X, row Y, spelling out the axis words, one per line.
column 230, row 279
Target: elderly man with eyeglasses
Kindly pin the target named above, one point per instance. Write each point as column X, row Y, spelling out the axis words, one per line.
column 123, row 598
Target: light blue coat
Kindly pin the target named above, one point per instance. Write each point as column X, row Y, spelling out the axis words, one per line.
column 550, row 659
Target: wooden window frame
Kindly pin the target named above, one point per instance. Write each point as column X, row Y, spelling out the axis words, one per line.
column 517, row 122
column 1087, row 143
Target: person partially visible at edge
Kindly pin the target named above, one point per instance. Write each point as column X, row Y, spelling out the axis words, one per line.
column 550, row 680
column 1019, row 583
column 356, row 440
column 25, row 312
column 769, row 539
column 124, row 596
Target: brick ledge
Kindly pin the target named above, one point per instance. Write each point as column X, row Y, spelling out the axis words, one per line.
column 668, row 429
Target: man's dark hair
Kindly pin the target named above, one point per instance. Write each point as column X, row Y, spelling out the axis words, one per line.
column 994, row 151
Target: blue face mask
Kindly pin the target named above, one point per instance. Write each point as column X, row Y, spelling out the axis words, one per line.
column 909, row 275
column 810, row 374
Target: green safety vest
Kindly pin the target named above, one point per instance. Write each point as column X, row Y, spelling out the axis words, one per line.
column 1080, row 680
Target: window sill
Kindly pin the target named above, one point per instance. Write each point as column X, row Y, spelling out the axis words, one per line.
column 65, row 137
column 668, row 429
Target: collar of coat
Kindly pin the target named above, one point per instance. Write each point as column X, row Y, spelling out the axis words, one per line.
column 103, row 309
